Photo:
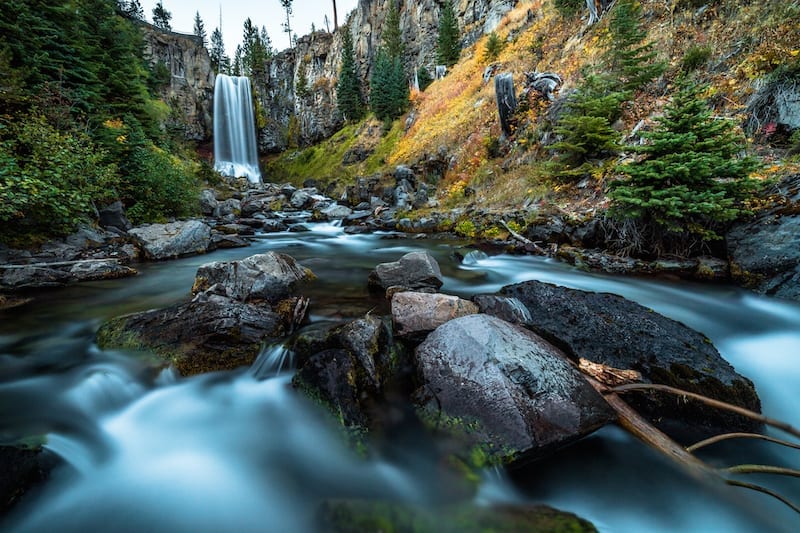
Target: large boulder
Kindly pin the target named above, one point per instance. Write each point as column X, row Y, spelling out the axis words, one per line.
column 175, row 239
column 416, row 313
column 238, row 306
column 765, row 252
column 22, row 469
column 113, row 216
column 511, row 392
column 610, row 330
column 201, row 336
column 208, row 202
column 415, row 270
column 266, row 277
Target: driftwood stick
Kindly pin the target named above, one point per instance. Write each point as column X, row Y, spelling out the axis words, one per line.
column 759, row 488
column 788, row 428
column 60, row 263
column 727, row 436
column 762, row 469
column 520, row 238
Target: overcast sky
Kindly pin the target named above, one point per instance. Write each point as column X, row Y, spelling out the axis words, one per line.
column 267, row 13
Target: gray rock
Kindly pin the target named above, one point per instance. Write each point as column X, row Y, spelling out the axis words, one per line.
column 97, row 270
column 113, row 216
column 336, row 212
column 231, row 206
column 610, row 330
column 508, row 309
column 765, row 251
column 300, row 199
column 221, row 241
column 264, row 277
column 208, row 202
column 175, row 239
column 414, row 270
column 415, row 313
column 31, row 277
column 514, row 394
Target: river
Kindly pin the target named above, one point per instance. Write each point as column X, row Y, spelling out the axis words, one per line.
column 146, row 450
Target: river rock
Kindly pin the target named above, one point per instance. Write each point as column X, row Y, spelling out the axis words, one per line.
column 505, row 308
column 610, row 330
column 415, row 270
column 22, row 469
column 113, row 216
column 215, row 333
column 513, row 393
column 415, row 313
column 300, row 199
column 97, row 270
column 269, row 277
column 33, row 276
column 231, row 206
column 765, row 251
column 336, row 212
column 175, row 239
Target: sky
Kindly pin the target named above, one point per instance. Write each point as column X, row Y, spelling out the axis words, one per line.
column 267, row 13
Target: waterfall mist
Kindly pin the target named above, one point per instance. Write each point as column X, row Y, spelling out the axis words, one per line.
column 234, row 129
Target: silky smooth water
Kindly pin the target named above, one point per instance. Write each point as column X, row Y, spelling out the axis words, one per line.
column 149, row 450
column 235, row 128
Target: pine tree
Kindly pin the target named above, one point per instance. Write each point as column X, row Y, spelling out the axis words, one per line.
column 585, row 126
column 348, row 88
column 690, row 180
column 448, row 49
column 492, row 48
column 220, row 62
column 627, row 53
column 131, row 9
column 389, row 90
column 200, row 28
column 161, row 17
column 287, row 6
column 255, row 52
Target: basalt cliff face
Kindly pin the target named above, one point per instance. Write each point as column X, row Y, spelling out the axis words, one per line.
column 183, row 70
column 298, row 100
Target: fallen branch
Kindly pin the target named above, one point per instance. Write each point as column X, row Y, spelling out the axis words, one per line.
column 727, row 436
column 60, row 263
column 521, row 238
column 788, row 428
column 762, row 469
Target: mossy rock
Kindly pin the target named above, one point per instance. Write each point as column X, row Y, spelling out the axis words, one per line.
column 355, row 516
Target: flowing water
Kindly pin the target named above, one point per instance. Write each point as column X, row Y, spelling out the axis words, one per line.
column 146, row 450
column 235, row 128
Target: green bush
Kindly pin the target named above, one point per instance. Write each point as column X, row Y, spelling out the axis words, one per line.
column 49, row 180
column 569, row 8
column 695, row 57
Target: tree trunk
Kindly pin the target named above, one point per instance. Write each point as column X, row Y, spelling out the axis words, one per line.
column 335, row 17
column 506, row 100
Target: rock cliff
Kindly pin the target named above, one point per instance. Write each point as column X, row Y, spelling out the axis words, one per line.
column 299, row 101
column 183, row 68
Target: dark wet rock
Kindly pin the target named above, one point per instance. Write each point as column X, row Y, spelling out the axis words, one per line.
column 113, row 216
column 22, row 469
column 299, row 228
column 175, row 239
column 208, row 202
column 551, row 230
column 300, row 199
column 274, row 226
column 512, row 393
column 765, row 251
column 269, row 277
column 414, row 270
column 608, row 329
column 255, row 223
column 259, row 203
column 329, row 377
column 356, row 516
column 417, row 313
column 215, row 333
column 336, row 212
column 366, row 339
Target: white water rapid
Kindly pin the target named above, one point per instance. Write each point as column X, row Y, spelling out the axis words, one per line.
column 234, row 129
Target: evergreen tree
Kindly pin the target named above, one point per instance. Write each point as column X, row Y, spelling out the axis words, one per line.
column 448, row 48
column 388, row 84
column 238, row 60
column 585, row 128
column 494, row 45
column 200, row 28
column 689, row 180
column 220, row 62
column 349, row 99
column 255, row 52
column 131, row 9
column 161, row 17
column 627, row 53
column 287, row 6
column 391, row 38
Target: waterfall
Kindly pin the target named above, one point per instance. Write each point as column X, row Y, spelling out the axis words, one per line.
column 234, row 129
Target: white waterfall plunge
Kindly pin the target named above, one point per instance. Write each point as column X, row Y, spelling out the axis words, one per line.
column 234, row 129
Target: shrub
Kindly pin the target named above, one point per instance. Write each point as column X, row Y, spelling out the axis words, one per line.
column 569, row 8
column 49, row 180
column 494, row 45
column 695, row 57
column 466, row 228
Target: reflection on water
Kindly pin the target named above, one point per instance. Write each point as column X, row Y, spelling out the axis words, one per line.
column 240, row 450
